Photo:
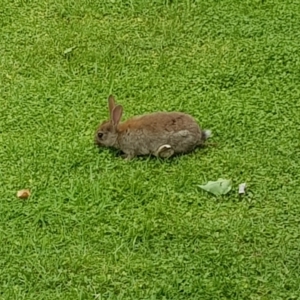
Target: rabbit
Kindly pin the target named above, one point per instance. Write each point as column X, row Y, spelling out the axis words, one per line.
column 162, row 134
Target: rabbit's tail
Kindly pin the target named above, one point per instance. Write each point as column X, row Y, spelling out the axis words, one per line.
column 206, row 134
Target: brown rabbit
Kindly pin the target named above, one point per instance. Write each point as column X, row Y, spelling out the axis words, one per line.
column 162, row 134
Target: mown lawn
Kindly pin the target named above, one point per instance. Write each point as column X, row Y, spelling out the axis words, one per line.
column 97, row 227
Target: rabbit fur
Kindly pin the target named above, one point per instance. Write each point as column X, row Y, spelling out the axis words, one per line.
column 162, row 134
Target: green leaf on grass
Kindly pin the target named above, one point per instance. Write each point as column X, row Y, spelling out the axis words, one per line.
column 219, row 187
column 69, row 50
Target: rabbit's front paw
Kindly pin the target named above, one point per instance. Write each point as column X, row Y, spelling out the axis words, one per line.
column 127, row 156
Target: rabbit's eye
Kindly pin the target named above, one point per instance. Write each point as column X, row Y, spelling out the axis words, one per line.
column 100, row 135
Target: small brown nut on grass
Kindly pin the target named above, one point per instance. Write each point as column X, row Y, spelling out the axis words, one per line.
column 23, row 194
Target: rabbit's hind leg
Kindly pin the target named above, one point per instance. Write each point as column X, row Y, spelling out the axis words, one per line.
column 164, row 151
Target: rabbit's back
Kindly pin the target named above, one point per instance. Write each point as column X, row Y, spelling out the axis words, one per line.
column 143, row 135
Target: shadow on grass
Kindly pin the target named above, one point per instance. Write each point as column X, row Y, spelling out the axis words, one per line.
column 119, row 153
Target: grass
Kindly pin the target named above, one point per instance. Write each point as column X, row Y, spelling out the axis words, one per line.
column 97, row 227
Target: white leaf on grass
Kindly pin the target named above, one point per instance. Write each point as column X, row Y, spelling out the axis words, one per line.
column 242, row 188
column 219, row 187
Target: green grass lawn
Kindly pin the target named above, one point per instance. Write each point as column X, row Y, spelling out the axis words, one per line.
column 98, row 227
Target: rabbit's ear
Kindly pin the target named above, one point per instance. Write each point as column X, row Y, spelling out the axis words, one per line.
column 111, row 105
column 117, row 114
